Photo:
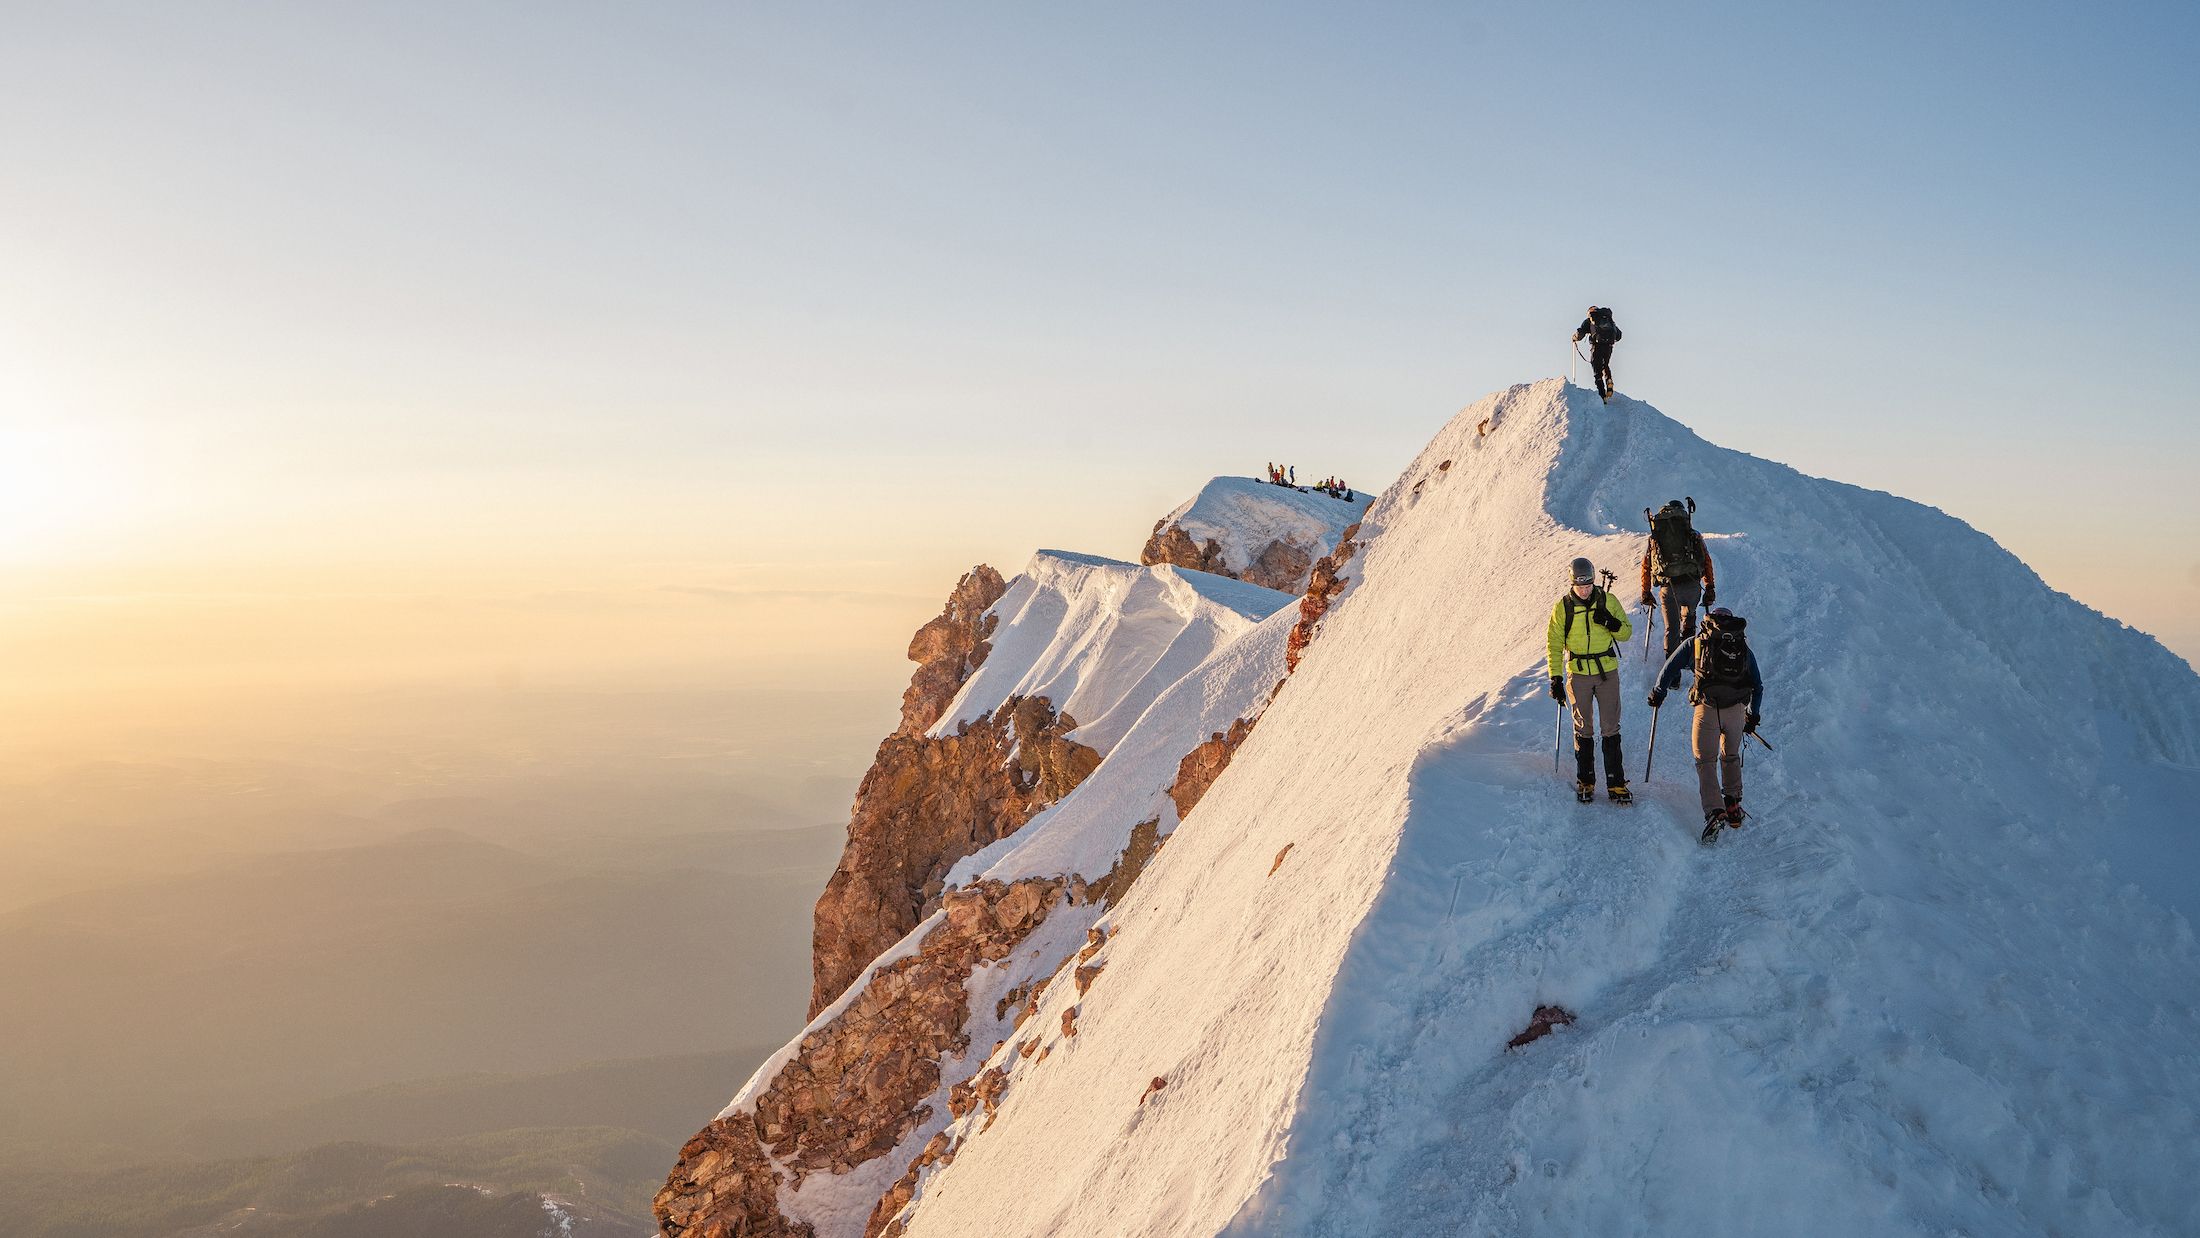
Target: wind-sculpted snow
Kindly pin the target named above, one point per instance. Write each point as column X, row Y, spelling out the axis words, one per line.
column 1253, row 530
column 1940, row 984
column 1101, row 639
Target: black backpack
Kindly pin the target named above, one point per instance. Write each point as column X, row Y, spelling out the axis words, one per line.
column 1602, row 330
column 1595, row 607
column 1722, row 663
column 1673, row 545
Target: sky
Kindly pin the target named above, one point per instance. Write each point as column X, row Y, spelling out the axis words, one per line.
column 686, row 344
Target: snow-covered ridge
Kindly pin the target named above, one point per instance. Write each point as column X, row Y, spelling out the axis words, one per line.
column 1243, row 516
column 1943, row 983
column 1102, row 638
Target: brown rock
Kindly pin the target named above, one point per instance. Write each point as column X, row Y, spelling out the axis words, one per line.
column 949, row 648
column 1095, row 938
column 1171, row 544
column 1069, row 1022
column 1540, row 1025
column 856, row 1086
column 1145, row 840
column 1280, row 565
column 1328, row 581
column 927, row 802
column 1279, row 858
column 1085, row 976
column 1205, row 763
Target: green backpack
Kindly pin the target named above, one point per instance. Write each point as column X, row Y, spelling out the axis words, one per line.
column 1673, row 545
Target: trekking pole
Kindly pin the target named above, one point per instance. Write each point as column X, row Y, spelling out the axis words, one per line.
column 1558, row 742
column 1762, row 740
column 1652, row 757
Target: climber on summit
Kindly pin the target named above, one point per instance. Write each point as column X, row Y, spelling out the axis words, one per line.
column 1601, row 332
column 1676, row 560
column 1587, row 627
column 1729, row 695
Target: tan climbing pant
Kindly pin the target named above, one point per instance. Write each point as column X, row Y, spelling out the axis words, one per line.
column 1717, row 740
column 1599, row 691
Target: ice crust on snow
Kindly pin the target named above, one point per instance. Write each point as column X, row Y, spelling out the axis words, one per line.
column 1102, row 638
column 1944, row 983
column 1243, row 515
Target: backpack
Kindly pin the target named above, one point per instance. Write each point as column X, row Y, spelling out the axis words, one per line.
column 1722, row 663
column 1595, row 606
column 1602, row 330
column 1673, row 545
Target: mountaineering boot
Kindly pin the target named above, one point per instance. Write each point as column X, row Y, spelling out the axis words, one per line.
column 1734, row 813
column 1711, row 822
column 1619, row 794
column 1586, row 792
column 1585, row 762
column 1615, row 773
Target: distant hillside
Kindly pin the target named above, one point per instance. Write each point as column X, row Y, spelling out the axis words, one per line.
column 283, row 979
column 662, row 1097
column 355, row 1190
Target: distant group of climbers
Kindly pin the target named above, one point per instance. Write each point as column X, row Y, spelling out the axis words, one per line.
column 1288, row 475
column 1588, row 627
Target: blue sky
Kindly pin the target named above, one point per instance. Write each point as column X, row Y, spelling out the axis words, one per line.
column 872, row 292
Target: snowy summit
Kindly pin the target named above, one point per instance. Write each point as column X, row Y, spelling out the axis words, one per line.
column 1258, row 972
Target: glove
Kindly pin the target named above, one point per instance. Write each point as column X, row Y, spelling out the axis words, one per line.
column 1577, row 337
column 1558, row 689
column 1647, row 601
column 1749, row 725
column 1657, row 697
column 1710, row 595
column 1608, row 621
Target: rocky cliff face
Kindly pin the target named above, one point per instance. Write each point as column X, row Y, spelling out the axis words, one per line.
column 1278, row 565
column 927, row 802
column 931, row 959
column 950, row 647
column 858, row 1084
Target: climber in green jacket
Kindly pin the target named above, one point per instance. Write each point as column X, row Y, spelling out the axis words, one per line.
column 1588, row 625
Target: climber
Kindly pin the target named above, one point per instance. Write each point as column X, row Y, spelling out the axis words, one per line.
column 1601, row 332
column 1678, row 562
column 1588, row 624
column 1729, row 696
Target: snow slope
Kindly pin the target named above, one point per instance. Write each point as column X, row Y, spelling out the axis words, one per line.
column 1243, row 515
column 1943, row 984
column 1101, row 638
column 1060, row 605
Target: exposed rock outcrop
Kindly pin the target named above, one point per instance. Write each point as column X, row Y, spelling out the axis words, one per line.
column 858, row 1085
column 1171, row 544
column 927, row 802
column 1279, row 565
column 1282, row 566
column 1205, row 763
column 951, row 646
column 1328, row 581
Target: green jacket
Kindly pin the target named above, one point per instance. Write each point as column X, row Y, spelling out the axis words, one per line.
column 1589, row 647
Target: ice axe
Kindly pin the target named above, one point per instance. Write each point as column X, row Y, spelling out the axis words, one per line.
column 1650, row 758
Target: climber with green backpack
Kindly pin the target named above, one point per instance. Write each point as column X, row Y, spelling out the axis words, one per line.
column 1676, row 560
column 1588, row 625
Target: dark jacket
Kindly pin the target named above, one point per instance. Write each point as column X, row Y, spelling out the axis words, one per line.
column 1684, row 659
